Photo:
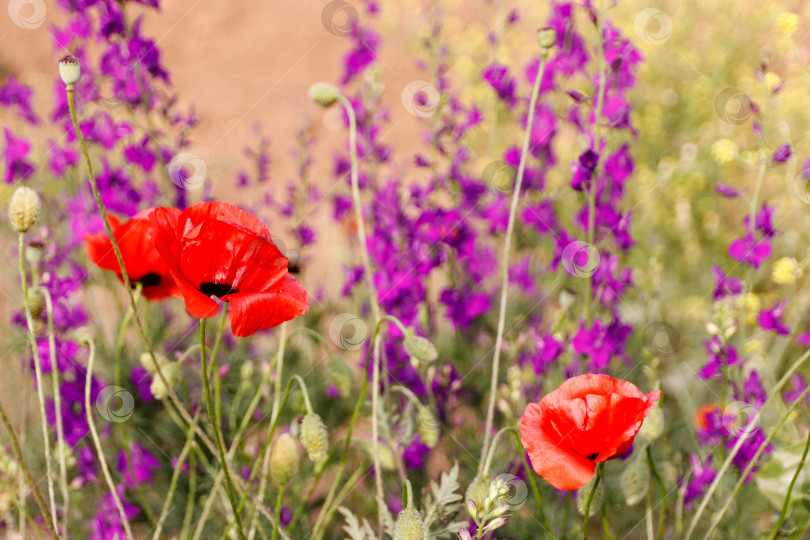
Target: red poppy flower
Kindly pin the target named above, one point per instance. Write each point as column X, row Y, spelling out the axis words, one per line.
column 587, row 420
column 216, row 249
column 141, row 259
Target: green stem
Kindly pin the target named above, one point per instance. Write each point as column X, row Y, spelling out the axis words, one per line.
column 375, row 305
column 190, row 503
column 325, row 513
column 786, row 505
column 32, row 340
column 533, row 484
column 216, row 431
column 164, row 513
column 663, row 488
column 97, row 442
column 740, row 441
column 279, row 501
column 507, row 247
column 600, row 100
column 599, row 469
column 57, row 405
column 18, row 455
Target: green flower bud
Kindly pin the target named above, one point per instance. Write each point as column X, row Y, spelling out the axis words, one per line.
column 36, row 303
column 171, row 372
column 635, row 481
column 585, row 492
column 428, row 427
column 23, row 210
column 285, row 459
column 420, row 348
column 149, row 364
column 341, row 376
column 653, row 426
column 314, row 437
column 324, row 94
column 409, row 526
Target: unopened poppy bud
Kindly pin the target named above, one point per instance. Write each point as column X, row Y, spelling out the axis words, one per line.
column 83, row 336
column 546, row 37
column 314, row 437
column 160, row 389
column 284, row 459
column 584, row 493
column 324, row 94
column 420, row 348
column 148, row 362
column 653, row 425
column 35, row 303
column 246, row 371
column 428, row 427
column 23, row 210
column 341, row 375
column 70, row 69
column 409, row 525
column 634, row 482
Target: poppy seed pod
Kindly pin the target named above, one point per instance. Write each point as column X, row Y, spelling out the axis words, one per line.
column 324, row 94
column 635, row 481
column 584, row 494
column 546, row 37
column 314, row 437
column 409, row 525
column 36, row 303
column 23, row 209
column 70, row 69
column 420, row 348
column 285, row 459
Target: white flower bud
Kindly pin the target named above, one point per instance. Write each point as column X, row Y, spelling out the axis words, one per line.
column 159, row 389
column 23, row 210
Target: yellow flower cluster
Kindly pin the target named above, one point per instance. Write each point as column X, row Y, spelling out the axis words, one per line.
column 787, row 23
column 724, row 151
column 786, row 271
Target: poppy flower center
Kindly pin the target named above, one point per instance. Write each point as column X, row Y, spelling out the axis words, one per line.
column 217, row 289
column 148, row 280
column 593, row 456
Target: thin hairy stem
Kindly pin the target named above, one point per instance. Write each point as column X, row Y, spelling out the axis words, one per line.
column 507, row 248
column 599, row 468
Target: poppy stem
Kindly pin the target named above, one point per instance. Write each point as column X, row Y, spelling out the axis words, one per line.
column 212, row 418
column 97, row 441
column 775, row 391
column 61, row 448
column 663, row 488
column 600, row 101
column 507, row 246
column 279, row 501
column 326, row 512
column 533, row 484
column 599, row 469
column 32, row 341
column 375, row 303
column 786, row 505
column 178, row 468
column 719, row 515
column 18, row 455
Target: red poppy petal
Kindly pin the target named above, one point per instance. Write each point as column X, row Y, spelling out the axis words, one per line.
column 221, row 252
column 631, row 415
column 582, row 385
column 198, row 305
column 99, row 248
column 219, row 211
column 251, row 312
column 551, row 456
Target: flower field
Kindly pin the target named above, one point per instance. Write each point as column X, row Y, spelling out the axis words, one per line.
column 413, row 270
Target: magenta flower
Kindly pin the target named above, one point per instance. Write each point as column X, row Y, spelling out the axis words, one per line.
column 726, row 285
column 748, row 250
column 771, row 319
